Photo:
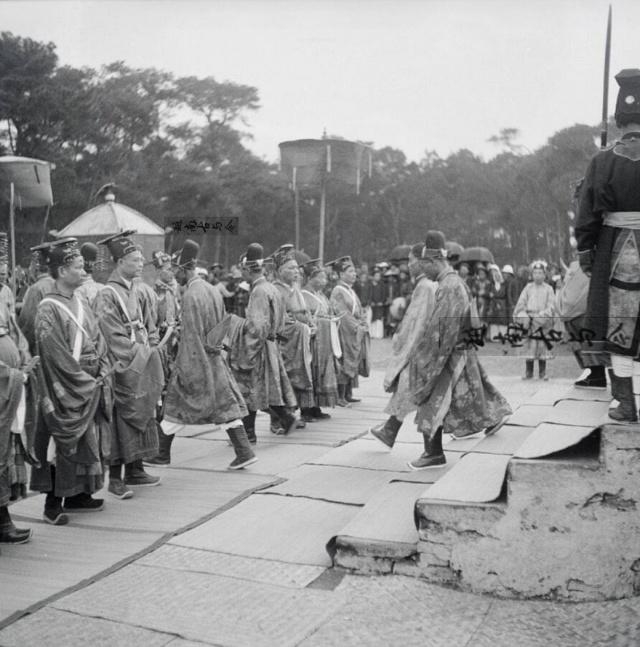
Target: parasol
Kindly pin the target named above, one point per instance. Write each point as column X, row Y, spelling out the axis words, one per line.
column 454, row 251
column 477, row 255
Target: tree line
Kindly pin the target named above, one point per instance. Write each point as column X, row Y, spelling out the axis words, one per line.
column 176, row 147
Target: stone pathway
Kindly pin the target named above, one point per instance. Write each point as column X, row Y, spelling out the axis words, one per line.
column 219, row 558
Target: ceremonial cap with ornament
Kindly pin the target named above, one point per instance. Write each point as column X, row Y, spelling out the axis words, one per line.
column 341, row 264
column 62, row 252
column 283, row 254
column 160, row 259
column 312, row 267
column 434, row 245
column 253, row 258
column 628, row 102
column 120, row 244
column 189, row 254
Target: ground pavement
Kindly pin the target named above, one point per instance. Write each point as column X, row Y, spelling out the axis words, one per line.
column 239, row 558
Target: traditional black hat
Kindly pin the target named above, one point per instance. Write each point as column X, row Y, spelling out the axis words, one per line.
column 284, row 254
column 4, row 248
column 253, row 258
column 89, row 252
column 160, row 258
column 62, row 252
column 120, row 244
column 434, row 245
column 189, row 254
column 215, row 266
column 416, row 250
column 341, row 264
column 40, row 257
column 312, row 267
column 454, row 251
column 628, row 102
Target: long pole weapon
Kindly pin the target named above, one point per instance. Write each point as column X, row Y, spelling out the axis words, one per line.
column 605, row 90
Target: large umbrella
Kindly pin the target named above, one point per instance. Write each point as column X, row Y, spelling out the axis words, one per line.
column 454, row 250
column 400, row 253
column 477, row 255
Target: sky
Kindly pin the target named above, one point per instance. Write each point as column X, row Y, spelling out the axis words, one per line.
column 417, row 75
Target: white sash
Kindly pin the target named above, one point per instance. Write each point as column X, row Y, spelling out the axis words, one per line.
column 78, row 321
column 352, row 295
column 123, row 307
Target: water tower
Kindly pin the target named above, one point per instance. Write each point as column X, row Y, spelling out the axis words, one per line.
column 313, row 163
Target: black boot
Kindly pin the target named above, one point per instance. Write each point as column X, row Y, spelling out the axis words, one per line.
column 348, row 394
column 614, row 384
column 306, row 413
column 528, row 375
column 319, row 414
column 595, row 380
column 53, row 512
column 116, row 484
column 626, row 410
column 342, row 402
column 9, row 534
column 286, row 419
column 82, row 502
column 134, row 474
column 387, row 433
column 433, row 456
column 542, row 369
column 244, row 453
column 164, row 449
column 249, row 423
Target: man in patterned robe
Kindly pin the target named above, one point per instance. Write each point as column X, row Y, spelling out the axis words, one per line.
column 411, row 330
column 34, row 294
column 448, row 384
column 297, row 331
column 353, row 330
column 608, row 236
column 255, row 353
column 325, row 344
column 138, row 376
column 14, row 372
column 202, row 388
column 75, row 399
column 89, row 288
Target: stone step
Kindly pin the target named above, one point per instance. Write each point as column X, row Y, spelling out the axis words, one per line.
column 383, row 534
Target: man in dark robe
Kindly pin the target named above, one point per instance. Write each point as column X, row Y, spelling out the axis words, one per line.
column 411, row 330
column 89, row 288
column 297, row 331
column 202, row 388
column 138, row 376
column 15, row 366
column 34, row 294
column 325, row 344
column 449, row 386
column 74, row 439
column 353, row 330
column 168, row 311
column 608, row 235
column 255, row 356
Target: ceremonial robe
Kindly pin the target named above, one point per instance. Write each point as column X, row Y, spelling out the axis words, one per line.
column 255, row 357
column 608, row 223
column 296, row 345
column 411, row 330
column 535, row 313
column 14, row 354
column 353, row 332
column 138, row 375
column 75, row 401
column 89, row 290
column 32, row 297
column 324, row 345
column 449, row 386
column 202, row 388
